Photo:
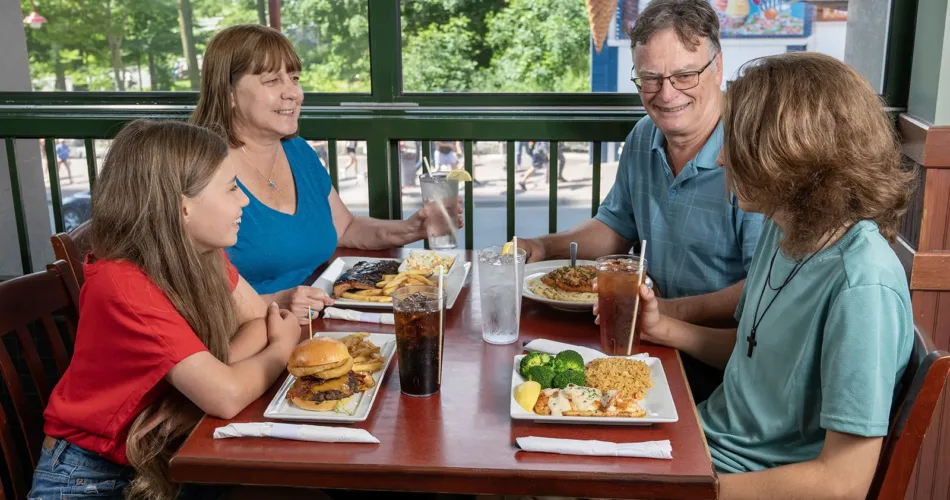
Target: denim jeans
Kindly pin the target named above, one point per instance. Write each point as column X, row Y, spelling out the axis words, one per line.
column 68, row 471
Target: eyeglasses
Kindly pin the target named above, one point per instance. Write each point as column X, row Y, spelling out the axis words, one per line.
column 680, row 81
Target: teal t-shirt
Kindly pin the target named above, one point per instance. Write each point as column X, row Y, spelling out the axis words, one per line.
column 829, row 355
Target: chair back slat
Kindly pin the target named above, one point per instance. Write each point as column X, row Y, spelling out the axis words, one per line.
column 31, row 308
column 72, row 247
column 17, row 477
column 56, row 343
column 921, row 386
column 34, row 363
column 11, row 380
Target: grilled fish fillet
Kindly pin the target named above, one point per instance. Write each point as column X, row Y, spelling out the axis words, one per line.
column 364, row 276
column 572, row 279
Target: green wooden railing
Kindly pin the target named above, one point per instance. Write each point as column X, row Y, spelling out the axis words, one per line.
column 382, row 118
column 382, row 130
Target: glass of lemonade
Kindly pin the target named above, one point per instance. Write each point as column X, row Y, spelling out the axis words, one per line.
column 420, row 325
column 500, row 293
column 617, row 290
column 440, row 197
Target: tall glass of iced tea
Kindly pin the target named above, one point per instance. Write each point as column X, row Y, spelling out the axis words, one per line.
column 617, row 285
column 419, row 328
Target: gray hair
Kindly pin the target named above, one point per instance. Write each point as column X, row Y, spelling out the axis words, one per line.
column 692, row 20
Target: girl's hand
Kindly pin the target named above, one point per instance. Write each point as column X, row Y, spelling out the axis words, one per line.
column 303, row 299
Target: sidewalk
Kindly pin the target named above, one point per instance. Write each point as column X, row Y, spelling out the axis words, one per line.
column 490, row 171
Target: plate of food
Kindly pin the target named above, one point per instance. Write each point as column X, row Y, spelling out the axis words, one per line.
column 557, row 284
column 610, row 390
column 428, row 261
column 369, row 282
column 334, row 377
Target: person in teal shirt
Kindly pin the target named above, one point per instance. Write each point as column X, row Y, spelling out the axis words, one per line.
column 825, row 326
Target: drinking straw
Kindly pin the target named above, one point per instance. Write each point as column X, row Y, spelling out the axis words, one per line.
column 514, row 247
column 441, row 319
column 636, row 302
column 310, row 320
column 427, row 170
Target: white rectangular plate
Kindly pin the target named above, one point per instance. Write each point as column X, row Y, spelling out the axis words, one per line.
column 454, row 281
column 658, row 402
column 282, row 409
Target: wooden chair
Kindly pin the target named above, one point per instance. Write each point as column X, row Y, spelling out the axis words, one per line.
column 921, row 386
column 25, row 302
column 72, row 247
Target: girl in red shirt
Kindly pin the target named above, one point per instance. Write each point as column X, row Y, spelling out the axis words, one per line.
column 167, row 328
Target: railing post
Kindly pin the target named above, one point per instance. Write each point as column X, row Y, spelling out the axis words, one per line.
column 384, row 49
column 26, row 260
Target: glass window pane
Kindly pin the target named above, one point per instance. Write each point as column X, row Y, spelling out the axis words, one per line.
column 749, row 29
column 139, row 45
column 495, row 46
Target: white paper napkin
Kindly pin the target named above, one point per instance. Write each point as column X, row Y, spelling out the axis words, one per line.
column 647, row 449
column 364, row 317
column 554, row 347
column 296, row 432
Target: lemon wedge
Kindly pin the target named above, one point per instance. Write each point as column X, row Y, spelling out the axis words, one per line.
column 459, row 175
column 527, row 393
column 507, row 249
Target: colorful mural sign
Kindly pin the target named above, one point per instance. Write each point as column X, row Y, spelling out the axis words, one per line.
column 741, row 18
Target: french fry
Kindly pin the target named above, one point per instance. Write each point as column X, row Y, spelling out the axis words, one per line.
column 366, row 298
column 425, row 281
column 414, row 272
column 354, row 339
column 360, row 351
column 371, row 292
column 388, row 277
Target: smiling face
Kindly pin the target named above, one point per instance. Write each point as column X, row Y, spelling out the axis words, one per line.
column 212, row 217
column 266, row 106
column 680, row 112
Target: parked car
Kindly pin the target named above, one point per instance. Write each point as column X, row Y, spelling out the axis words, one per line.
column 76, row 210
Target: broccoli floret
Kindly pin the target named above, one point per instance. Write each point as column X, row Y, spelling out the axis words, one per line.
column 561, row 380
column 532, row 359
column 568, row 360
column 546, row 359
column 542, row 375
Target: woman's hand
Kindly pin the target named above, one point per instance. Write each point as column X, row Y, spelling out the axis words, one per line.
column 417, row 223
column 303, row 299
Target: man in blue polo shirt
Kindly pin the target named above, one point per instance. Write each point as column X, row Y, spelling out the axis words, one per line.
column 669, row 189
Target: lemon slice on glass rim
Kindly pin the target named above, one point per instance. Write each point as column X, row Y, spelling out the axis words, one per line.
column 458, row 175
column 507, row 249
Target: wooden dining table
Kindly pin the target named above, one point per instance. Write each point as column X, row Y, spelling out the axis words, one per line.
column 462, row 440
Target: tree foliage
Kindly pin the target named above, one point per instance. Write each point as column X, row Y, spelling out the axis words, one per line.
column 447, row 45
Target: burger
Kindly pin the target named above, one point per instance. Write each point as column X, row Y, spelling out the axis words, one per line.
column 324, row 374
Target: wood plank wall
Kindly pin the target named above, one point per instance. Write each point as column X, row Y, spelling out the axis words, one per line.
column 929, row 147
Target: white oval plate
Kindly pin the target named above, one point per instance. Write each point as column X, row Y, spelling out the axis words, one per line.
column 536, row 270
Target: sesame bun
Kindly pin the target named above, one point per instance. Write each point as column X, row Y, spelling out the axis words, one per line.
column 328, row 405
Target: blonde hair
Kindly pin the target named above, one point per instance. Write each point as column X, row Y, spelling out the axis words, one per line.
column 137, row 217
column 805, row 135
column 247, row 49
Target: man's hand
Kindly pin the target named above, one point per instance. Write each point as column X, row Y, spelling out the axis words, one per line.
column 534, row 249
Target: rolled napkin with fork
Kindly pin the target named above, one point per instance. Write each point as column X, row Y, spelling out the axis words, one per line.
column 297, row 432
column 553, row 347
column 646, row 449
column 363, row 317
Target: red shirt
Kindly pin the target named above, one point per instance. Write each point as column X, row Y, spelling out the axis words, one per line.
column 129, row 336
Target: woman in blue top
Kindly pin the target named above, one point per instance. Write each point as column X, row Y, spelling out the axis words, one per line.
column 295, row 219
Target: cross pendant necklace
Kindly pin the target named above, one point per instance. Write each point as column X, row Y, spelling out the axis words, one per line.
column 270, row 182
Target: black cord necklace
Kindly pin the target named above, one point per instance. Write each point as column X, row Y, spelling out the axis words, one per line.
column 756, row 319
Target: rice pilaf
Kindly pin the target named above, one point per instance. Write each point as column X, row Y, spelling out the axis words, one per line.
column 631, row 377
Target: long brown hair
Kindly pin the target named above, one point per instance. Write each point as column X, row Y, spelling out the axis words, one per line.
column 807, row 137
column 137, row 217
column 232, row 53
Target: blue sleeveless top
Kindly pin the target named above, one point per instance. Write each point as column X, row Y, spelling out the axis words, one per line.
column 276, row 251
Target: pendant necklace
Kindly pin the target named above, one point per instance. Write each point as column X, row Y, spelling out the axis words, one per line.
column 270, row 181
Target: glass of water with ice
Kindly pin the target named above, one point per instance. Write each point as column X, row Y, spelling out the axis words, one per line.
column 499, row 289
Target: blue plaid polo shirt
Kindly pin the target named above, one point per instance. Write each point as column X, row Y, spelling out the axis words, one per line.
column 698, row 241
